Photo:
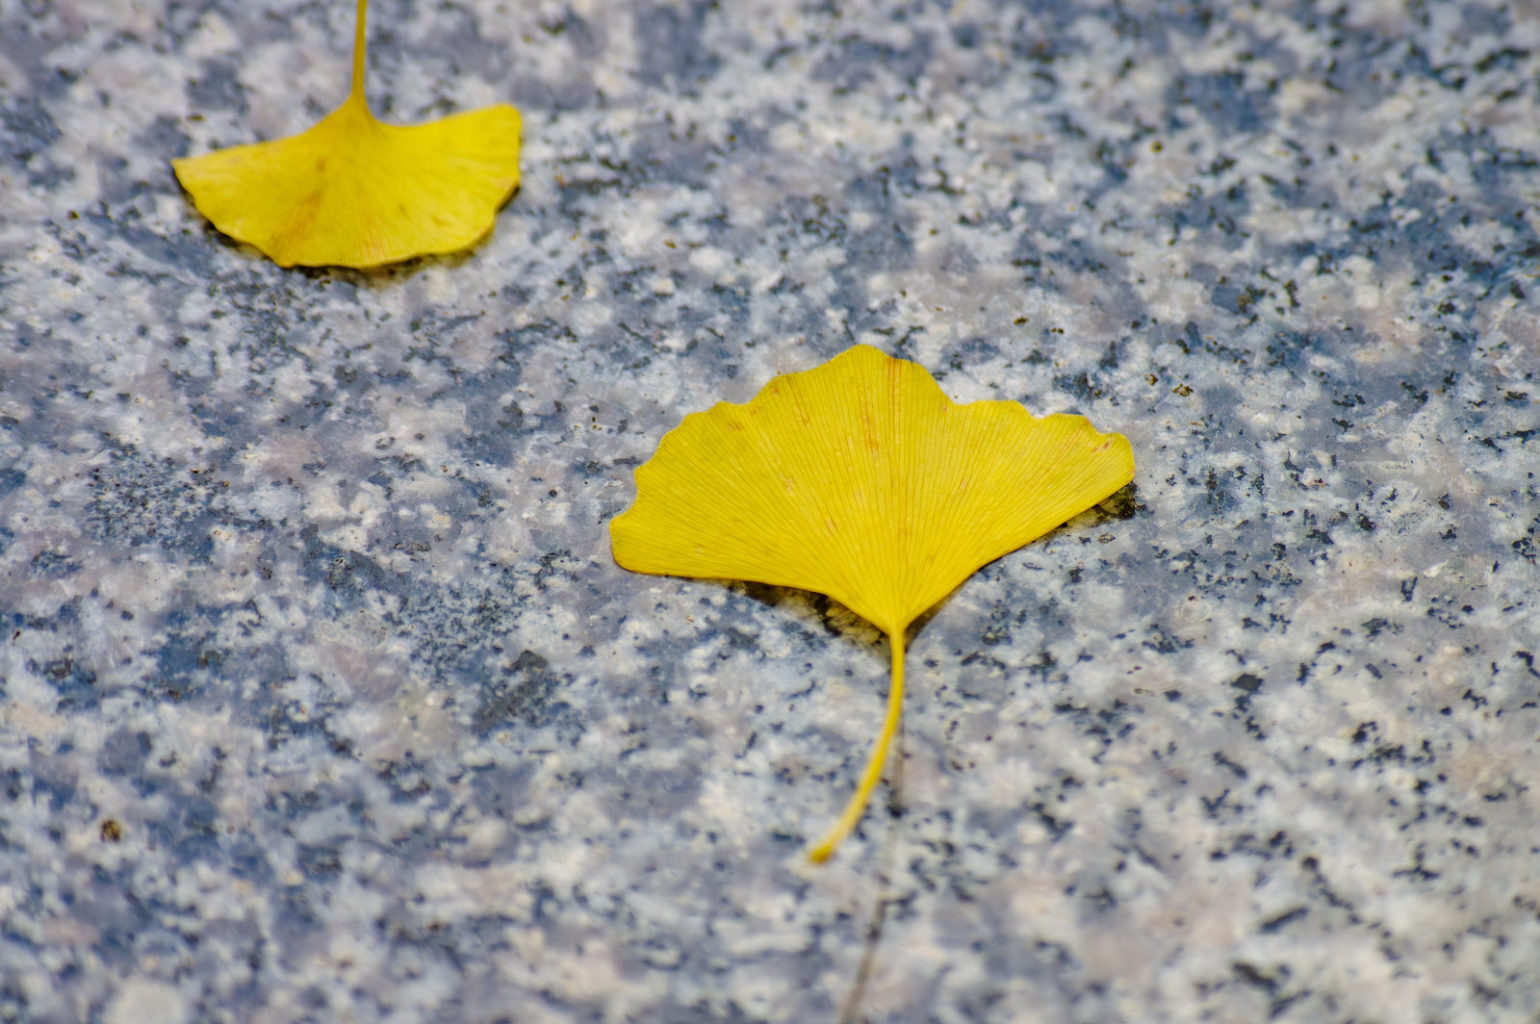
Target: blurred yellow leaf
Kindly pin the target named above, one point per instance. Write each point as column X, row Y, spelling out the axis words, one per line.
column 861, row 480
column 355, row 192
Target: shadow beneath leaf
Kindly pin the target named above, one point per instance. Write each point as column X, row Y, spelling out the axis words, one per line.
column 1123, row 503
column 358, row 276
column 810, row 608
column 850, row 1009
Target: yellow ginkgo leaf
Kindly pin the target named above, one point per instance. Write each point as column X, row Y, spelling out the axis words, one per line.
column 861, row 480
column 355, row 192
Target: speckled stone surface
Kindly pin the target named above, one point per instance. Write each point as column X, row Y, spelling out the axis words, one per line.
column 323, row 700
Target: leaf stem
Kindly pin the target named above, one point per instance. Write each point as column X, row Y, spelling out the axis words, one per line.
column 869, row 778
column 358, row 55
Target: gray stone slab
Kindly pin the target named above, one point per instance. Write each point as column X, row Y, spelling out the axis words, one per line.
column 323, row 699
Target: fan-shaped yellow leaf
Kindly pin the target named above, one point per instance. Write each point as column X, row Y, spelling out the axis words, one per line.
column 355, row 192
column 860, row 479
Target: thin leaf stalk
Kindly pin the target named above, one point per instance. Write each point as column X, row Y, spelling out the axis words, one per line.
column 879, row 757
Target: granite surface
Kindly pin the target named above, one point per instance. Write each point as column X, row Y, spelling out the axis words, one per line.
column 321, row 698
